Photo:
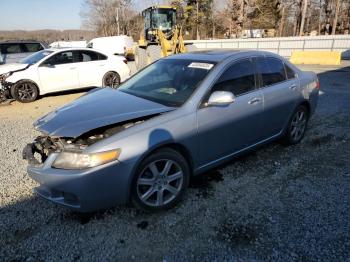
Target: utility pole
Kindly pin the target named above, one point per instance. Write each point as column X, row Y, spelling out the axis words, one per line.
column 335, row 21
column 303, row 17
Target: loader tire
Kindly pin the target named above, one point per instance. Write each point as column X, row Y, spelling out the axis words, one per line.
column 153, row 53
column 140, row 58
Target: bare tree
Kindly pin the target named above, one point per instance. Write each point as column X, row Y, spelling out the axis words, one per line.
column 108, row 17
column 335, row 20
column 303, row 17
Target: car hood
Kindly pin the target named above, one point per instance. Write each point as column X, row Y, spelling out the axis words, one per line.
column 11, row 67
column 98, row 108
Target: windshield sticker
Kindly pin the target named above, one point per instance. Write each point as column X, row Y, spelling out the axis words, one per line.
column 205, row 66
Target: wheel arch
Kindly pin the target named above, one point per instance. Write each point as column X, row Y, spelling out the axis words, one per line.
column 306, row 103
column 178, row 147
column 23, row 81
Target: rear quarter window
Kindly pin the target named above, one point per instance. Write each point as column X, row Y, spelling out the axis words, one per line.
column 290, row 72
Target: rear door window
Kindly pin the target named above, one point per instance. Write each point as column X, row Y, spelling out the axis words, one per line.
column 238, row 78
column 272, row 70
column 88, row 56
column 33, row 47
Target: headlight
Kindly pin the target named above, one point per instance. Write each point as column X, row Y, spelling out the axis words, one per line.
column 74, row 160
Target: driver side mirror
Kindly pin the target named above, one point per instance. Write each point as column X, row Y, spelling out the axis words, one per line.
column 221, row 98
column 47, row 65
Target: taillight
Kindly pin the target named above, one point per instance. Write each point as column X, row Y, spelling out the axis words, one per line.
column 318, row 84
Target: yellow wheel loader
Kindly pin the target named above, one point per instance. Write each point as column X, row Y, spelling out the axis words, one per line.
column 161, row 36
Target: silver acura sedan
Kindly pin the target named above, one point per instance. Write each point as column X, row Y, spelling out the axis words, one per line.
column 175, row 119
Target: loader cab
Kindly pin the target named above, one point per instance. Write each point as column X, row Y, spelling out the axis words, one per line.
column 158, row 17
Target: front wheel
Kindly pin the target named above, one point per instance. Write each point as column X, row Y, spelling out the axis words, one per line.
column 25, row 91
column 297, row 126
column 160, row 181
column 111, row 79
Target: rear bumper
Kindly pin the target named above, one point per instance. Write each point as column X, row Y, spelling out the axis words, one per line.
column 313, row 98
column 83, row 190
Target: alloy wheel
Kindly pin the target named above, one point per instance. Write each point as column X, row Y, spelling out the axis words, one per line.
column 160, row 182
column 298, row 125
column 26, row 92
column 112, row 80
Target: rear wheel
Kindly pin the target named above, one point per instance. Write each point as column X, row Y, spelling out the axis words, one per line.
column 111, row 79
column 153, row 53
column 160, row 181
column 140, row 58
column 25, row 91
column 297, row 126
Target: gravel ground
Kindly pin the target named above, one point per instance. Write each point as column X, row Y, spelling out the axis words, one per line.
column 278, row 203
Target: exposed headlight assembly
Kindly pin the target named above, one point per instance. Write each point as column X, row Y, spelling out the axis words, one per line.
column 4, row 76
column 76, row 160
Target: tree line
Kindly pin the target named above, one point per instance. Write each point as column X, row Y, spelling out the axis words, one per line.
column 206, row 19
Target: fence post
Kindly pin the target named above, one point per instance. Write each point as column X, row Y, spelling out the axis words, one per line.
column 333, row 44
column 278, row 47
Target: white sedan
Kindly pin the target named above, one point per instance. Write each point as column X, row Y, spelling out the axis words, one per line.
column 54, row 70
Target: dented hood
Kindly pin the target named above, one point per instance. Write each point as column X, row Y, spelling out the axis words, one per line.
column 11, row 67
column 98, row 108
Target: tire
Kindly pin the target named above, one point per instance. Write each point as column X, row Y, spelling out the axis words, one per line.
column 111, row 79
column 151, row 183
column 191, row 48
column 25, row 91
column 153, row 53
column 297, row 126
column 140, row 58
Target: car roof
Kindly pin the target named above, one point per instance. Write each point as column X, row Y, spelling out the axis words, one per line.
column 20, row 42
column 56, row 49
column 218, row 55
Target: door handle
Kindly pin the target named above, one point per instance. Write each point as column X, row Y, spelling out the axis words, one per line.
column 293, row 87
column 72, row 68
column 254, row 101
column 102, row 65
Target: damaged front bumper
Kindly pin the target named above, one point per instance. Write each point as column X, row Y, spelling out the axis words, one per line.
column 82, row 190
column 5, row 90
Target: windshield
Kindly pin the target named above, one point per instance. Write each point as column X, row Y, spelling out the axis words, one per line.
column 36, row 57
column 163, row 19
column 169, row 82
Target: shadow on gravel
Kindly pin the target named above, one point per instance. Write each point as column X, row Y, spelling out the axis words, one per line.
column 239, row 235
column 68, row 92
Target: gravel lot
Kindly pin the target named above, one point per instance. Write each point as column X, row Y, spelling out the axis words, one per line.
column 278, row 203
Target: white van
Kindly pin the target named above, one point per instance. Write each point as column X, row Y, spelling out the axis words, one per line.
column 117, row 45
